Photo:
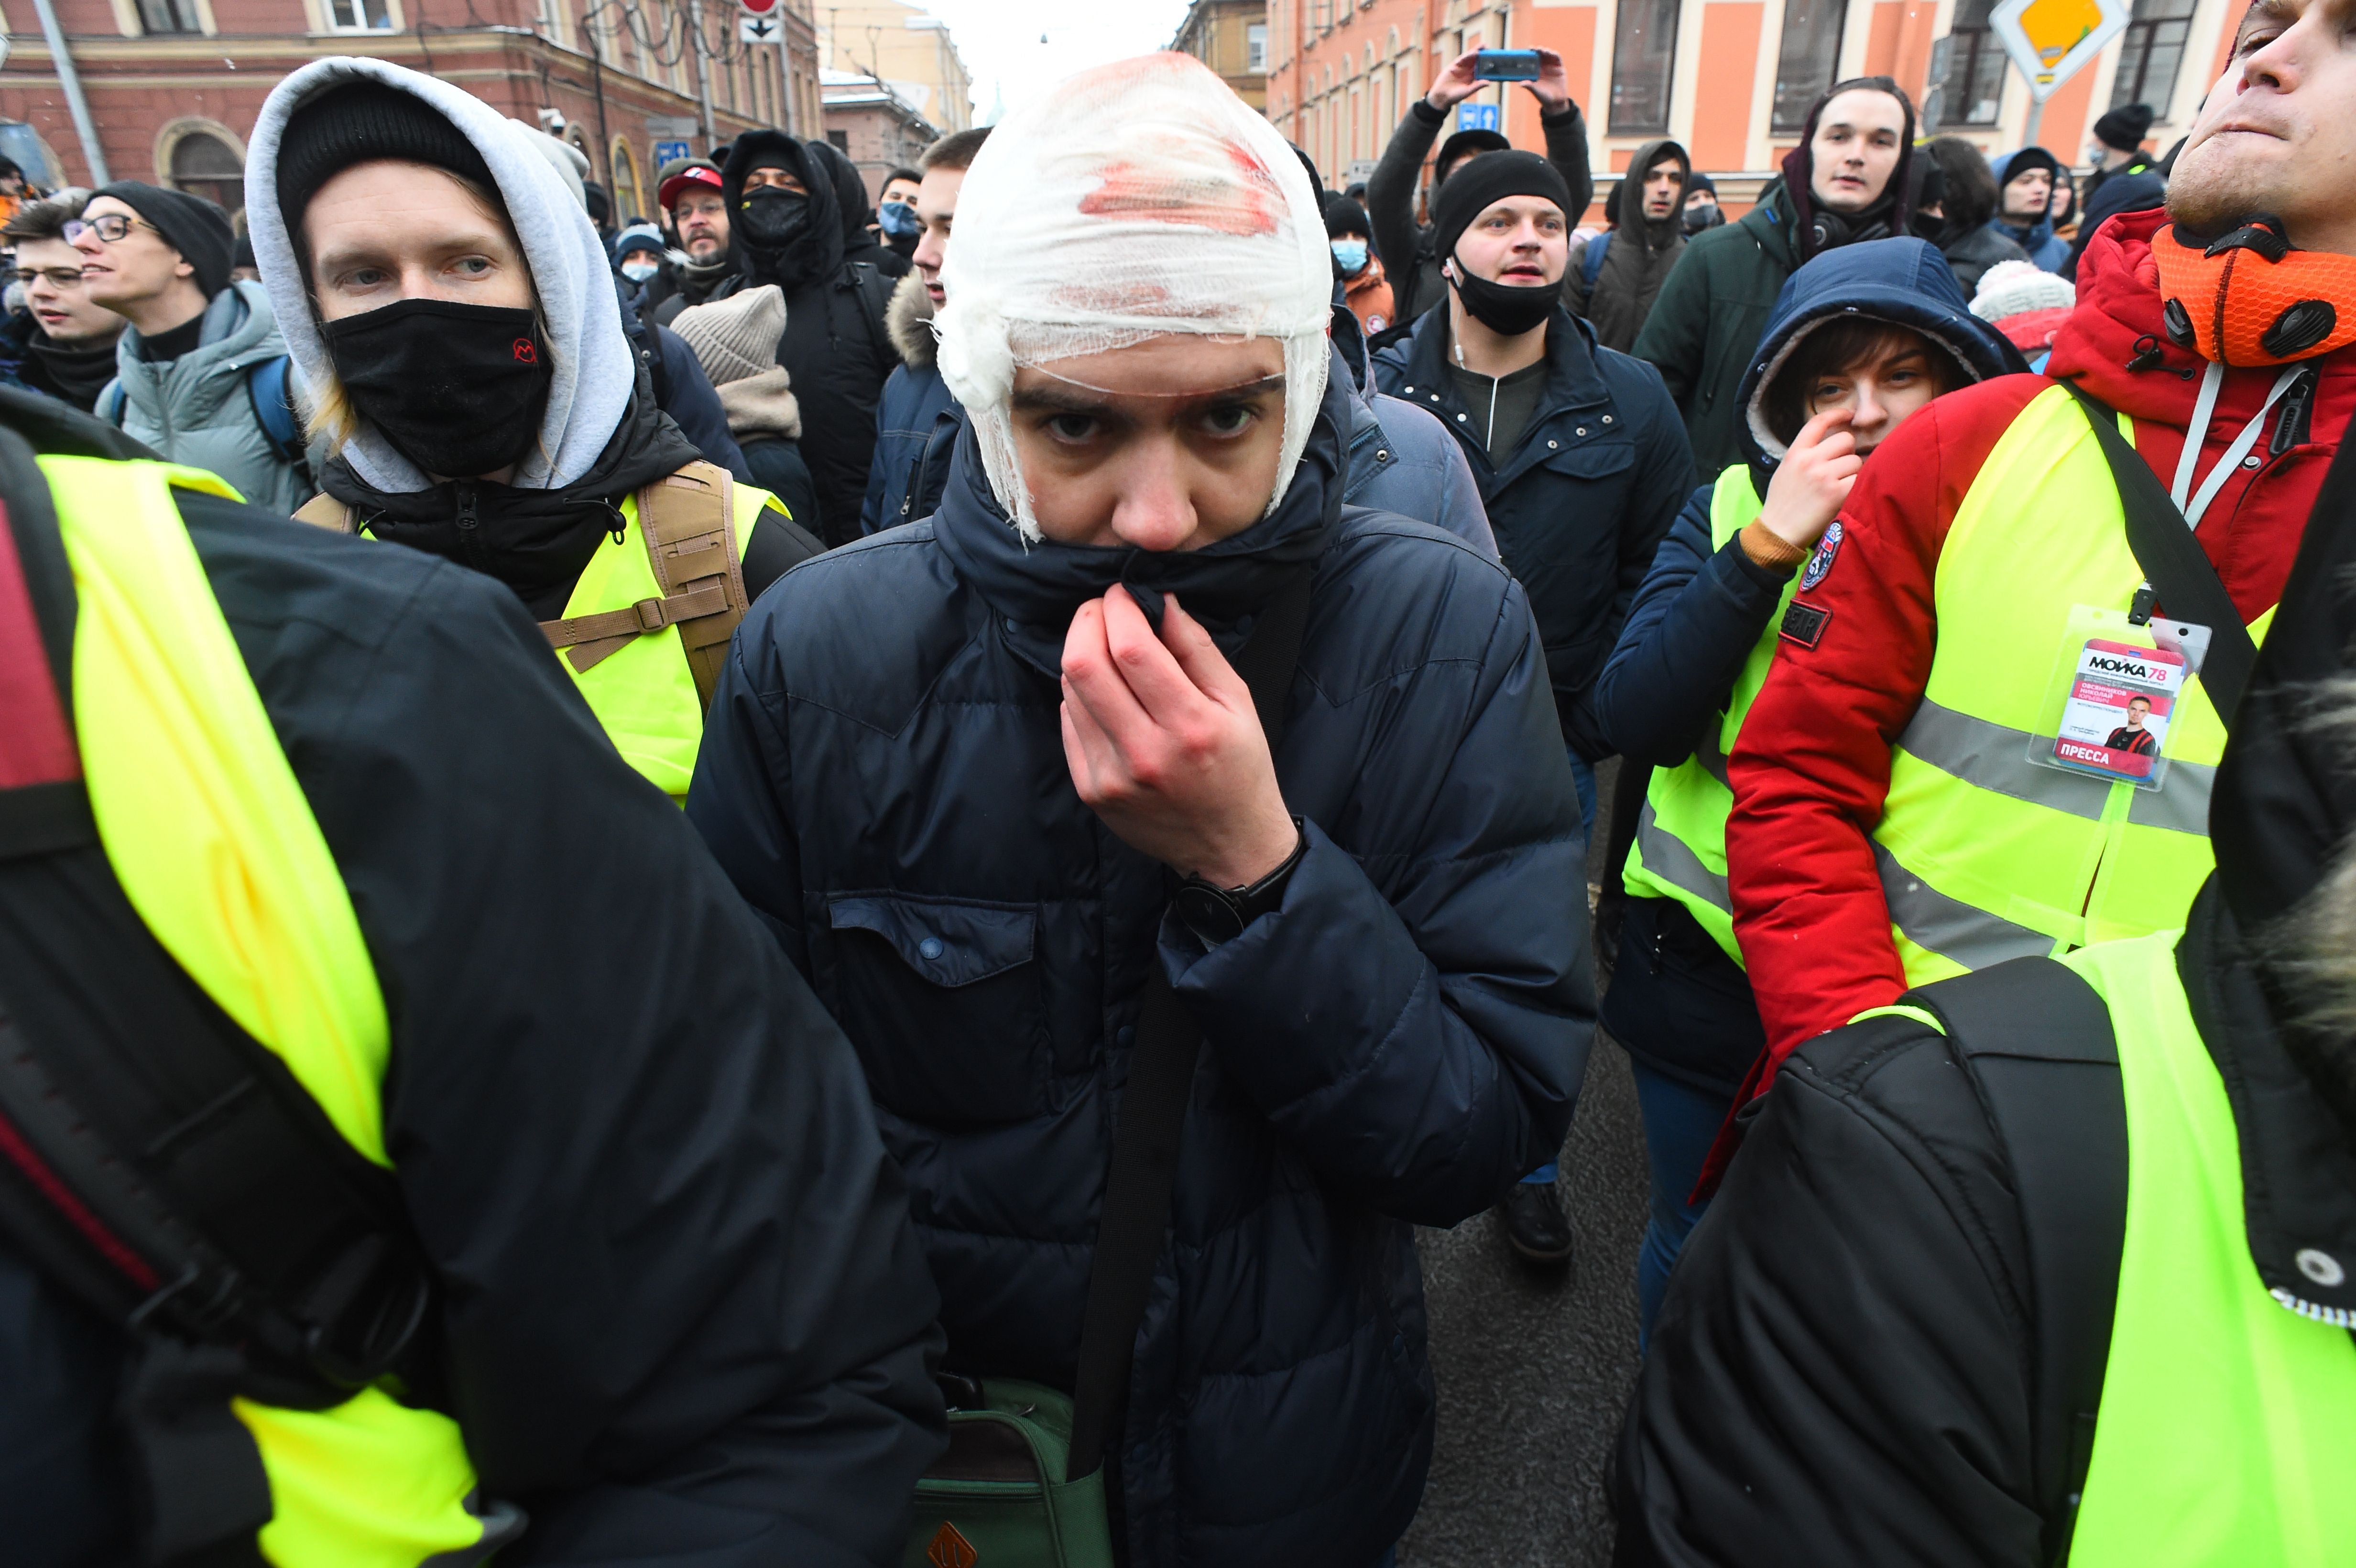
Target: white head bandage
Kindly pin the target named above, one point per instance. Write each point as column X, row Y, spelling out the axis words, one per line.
column 1129, row 202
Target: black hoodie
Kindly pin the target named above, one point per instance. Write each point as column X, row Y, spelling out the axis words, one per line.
column 817, row 249
column 834, row 346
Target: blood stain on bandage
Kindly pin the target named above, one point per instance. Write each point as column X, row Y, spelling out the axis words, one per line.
column 1243, row 204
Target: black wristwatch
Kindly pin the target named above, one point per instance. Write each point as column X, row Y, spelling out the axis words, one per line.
column 1216, row 914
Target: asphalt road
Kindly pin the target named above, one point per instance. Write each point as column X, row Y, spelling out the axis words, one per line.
column 1533, row 1372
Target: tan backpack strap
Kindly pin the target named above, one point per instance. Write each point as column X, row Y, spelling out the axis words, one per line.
column 324, row 511
column 687, row 521
column 690, row 521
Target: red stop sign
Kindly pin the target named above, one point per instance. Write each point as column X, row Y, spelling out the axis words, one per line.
column 760, row 7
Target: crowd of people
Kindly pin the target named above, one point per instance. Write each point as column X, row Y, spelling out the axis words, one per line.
column 824, row 879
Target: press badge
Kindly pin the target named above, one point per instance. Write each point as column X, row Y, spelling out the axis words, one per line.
column 2114, row 695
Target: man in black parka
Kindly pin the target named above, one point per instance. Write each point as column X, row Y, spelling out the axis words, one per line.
column 928, row 770
column 1586, row 487
column 787, row 227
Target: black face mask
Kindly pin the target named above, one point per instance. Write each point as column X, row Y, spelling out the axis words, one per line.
column 1505, row 308
column 773, row 218
column 457, row 388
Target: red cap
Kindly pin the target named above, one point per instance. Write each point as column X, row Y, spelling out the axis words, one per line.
column 694, row 174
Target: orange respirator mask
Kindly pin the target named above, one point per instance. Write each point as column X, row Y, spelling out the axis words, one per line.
column 2251, row 298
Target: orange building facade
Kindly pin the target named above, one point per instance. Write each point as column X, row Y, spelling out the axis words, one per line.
column 1731, row 79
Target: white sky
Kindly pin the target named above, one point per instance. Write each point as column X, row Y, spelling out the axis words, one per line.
column 998, row 40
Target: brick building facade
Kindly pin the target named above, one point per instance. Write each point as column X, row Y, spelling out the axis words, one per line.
column 173, row 86
column 872, row 124
column 1231, row 38
column 1730, row 79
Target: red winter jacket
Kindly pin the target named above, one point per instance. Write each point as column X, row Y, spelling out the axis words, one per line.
column 1812, row 768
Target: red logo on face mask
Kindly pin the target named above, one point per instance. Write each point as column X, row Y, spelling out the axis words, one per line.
column 525, row 353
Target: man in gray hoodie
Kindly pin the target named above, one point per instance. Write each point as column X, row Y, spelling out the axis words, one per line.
column 200, row 374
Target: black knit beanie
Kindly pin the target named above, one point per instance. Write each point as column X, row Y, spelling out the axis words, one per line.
column 358, row 120
column 198, row 229
column 1487, row 180
column 1344, row 216
column 2125, row 128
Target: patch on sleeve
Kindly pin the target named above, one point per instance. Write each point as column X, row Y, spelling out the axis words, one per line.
column 1821, row 563
column 1804, row 623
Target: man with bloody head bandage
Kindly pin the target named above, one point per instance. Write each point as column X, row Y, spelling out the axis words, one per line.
column 1897, row 815
column 1001, row 785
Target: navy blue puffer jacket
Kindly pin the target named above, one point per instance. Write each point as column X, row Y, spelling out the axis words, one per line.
column 1581, row 503
column 884, row 777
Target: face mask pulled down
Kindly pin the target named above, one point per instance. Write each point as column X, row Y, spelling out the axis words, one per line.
column 457, row 388
column 1506, row 309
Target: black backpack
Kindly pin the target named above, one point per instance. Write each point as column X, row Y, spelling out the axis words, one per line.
column 2037, row 1043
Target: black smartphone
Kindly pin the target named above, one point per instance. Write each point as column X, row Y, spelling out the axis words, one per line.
column 1506, row 65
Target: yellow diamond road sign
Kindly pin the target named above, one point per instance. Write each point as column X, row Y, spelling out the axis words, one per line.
column 2050, row 39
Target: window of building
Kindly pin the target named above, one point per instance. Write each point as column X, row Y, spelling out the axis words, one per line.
column 1643, row 49
column 842, row 140
column 360, row 15
column 1975, row 67
column 2153, row 48
column 169, row 16
column 203, row 164
column 1256, row 47
column 1805, row 64
column 629, row 190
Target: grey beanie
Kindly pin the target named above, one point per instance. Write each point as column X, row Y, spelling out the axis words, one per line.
column 735, row 337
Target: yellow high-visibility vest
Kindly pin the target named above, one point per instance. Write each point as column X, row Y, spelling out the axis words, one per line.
column 216, row 849
column 644, row 695
column 1983, row 855
column 1679, row 850
column 2227, row 1427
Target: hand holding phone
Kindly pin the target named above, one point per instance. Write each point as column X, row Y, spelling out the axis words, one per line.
column 1540, row 70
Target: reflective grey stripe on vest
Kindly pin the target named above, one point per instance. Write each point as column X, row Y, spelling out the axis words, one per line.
column 1668, row 858
column 1995, row 757
column 2180, row 804
column 1950, row 927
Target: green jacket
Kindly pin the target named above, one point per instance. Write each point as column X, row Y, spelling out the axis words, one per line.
column 1707, row 319
column 197, row 410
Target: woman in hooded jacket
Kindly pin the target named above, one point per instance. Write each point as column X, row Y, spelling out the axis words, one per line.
column 1861, row 338
column 452, row 313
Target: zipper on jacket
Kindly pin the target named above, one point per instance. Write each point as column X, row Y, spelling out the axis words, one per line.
column 470, row 528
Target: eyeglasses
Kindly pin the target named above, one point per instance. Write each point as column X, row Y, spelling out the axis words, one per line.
column 60, row 277
column 110, row 227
